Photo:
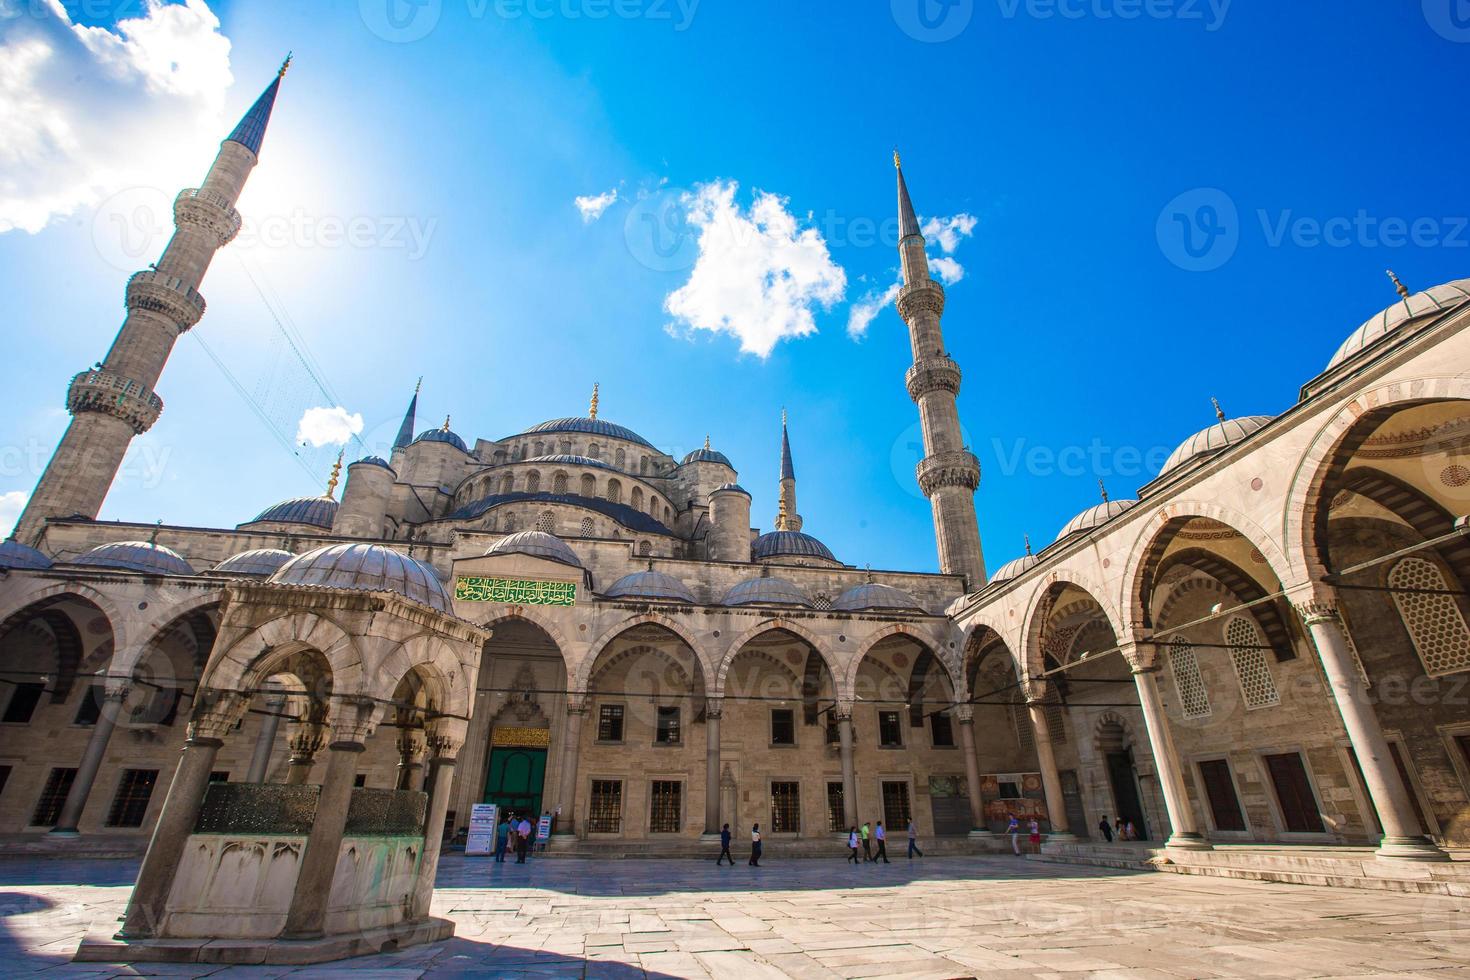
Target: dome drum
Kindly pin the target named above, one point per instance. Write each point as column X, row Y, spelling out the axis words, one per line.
column 367, row 568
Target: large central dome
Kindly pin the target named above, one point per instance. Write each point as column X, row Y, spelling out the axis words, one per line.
column 591, row 427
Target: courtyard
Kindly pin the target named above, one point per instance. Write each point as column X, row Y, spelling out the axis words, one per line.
column 934, row 917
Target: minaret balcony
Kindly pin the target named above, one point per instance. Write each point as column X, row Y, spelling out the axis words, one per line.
column 918, row 298
column 112, row 394
column 952, row 469
column 167, row 296
column 930, row 374
column 208, row 211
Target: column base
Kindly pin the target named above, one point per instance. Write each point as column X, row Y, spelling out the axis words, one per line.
column 1410, row 849
column 64, row 832
column 980, row 833
column 1059, row 837
column 1189, row 842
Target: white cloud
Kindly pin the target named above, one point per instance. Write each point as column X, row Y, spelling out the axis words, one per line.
column 11, row 503
column 593, row 206
column 758, row 275
column 947, row 233
column 946, row 270
column 91, row 111
column 323, row 426
column 866, row 309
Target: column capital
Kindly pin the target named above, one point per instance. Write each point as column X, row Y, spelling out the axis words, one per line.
column 1318, row 610
column 353, row 720
column 842, row 711
column 714, row 708
column 1142, row 654
column 215, row 713
column 579, row 703
column 306, row 740
column 116, row 689
column 964, row 714
column 445, row 735
column 412, row 744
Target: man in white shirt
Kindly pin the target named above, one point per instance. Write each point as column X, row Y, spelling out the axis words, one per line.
column 523, row 840
column 881, row 836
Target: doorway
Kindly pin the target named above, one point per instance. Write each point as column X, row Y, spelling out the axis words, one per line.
column 1124, row 779
column 515, row 778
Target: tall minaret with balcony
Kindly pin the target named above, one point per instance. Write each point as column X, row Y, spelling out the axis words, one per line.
column 949, row 473
column 115, row 401
column 787, row 519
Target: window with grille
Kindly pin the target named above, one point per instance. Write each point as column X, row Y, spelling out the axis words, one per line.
column 834, row 732
column 91, row 707
column 636, row 498
column 645, row 548
column 605, row 810
column 890, row 732
column 1184, row 665
column 131, row 801
column 941, row 729
column 614, row 492
column 620, row 459
column 589, row 485
column 610, row 723
column 785, row 808
column 896, row 812
column 22, row 704
column 665, row 798
column 1435, row 624
column 783, row 726
column 1251, row 667
column 1056, row 724
column 667, row 732
column 508, row 484
column 53, row 795
column 836, row 815
column 587, row 527
column 546, row 521
column 594, row 450
column 559, row 483
column 1024, row 736
column 533, row 482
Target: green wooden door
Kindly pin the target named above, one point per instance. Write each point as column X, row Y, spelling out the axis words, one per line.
column 515, row 779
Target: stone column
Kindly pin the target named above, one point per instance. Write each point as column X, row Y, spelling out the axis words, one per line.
column 965, row 715
column 1051, row 781
column 212, row 719
column 265, row 744
column 115, row 692
column 444, row 736
column 576, row 710
column 1403, row 838
column 308, row 910
column 411, row 748
column 849, row 774
column 306, row 741
column 1186, row 832
column 714, row 707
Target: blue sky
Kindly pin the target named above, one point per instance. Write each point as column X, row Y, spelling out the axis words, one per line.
column 1070, row 131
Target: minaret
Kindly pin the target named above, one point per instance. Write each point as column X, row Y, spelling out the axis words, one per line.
column 787, row 519
column 405, row 431
column 115, row 401
column 949, row 473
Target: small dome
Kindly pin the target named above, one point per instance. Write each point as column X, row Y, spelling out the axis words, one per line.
column 875, row 596
column 374, row 461
column 260, row 563
column 591, row 427
column 1437, row 299
column 1209, row 441
column 367, row 567
column 788, row 544
column 13, row 554
column 1095, row 516
column 312, row 511
column 137, row 556
column 649, row 585
column 443, row 435
column 567, row 459
column 1014, row 568
column 766, row 592
column 729, row 488
column 708, row 455
column 537, row 544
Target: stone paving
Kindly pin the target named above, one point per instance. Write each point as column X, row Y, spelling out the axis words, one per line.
column 935, row 917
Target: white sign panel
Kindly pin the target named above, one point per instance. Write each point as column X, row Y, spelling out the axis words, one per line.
column 481, row 838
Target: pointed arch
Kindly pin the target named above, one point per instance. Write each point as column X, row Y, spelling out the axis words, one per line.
column 732, row 650
column 935, row 647
column 583, row 673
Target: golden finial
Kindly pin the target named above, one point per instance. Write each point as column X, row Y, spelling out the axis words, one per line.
column 592, row 410
column 1219, row 412
column 285, row 65
column 153, row 535
column 336, row 472
column 1403, row 290
column 896, row 164
column 446, row 424
column 1027, row 538
column 781, row 514
column 417, row 387
column 1104, row 490
column 706, row 442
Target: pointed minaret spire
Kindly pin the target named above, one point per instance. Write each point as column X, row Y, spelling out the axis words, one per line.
column 251, row 129
column 405, row 431
column 787, row 519
column 336, row 469
column 908, row 224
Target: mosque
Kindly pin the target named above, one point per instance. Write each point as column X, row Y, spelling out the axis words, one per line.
column 1268, row 643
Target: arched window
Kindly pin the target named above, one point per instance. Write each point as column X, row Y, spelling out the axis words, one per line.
column 645, row 548
column 521, row 451
column 533, row 482
column 546, row 521
column 1435, row 624
column 594, row 450
column 510, row 523
column 643, row 465
column 1247, row 652
column 636, row 498
column 558, row 482
column 566, row 447
column 587, row 527
column 589, row 485
column 668, row 514
column 621, row 458
column 540, row 448
column 614, row 492
column 508, row 483
column 1193, row 697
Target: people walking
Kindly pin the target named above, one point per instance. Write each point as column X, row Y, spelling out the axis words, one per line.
column 725, row 847
column 914, row 841
column 755, row 846
column 1130, row 831
column 882, row 837
column 865, row 833
column 1119, row 829
column 502, row 839
column 1105, row 828
column 1035, row 835
column 523, row 840
column 852, row 845
column 1014, row 829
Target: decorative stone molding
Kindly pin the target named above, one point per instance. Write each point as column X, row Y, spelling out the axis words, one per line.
column 210, row 212
column 215, row 713
column 168, row 296
column 1141, row 656
column 714, row 708
column 842, row 711
column 952, row 469
column 445, row 735
column 353, row 721
column 578, row 704
column 917, row 298
column 964, row 714
column 1314, row 611
column 411, row 745
column 939, row 373
column 305, row 741
column 112, row 394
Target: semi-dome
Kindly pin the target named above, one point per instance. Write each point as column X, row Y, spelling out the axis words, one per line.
column 367, row 567
column 788, row 544
column 1437, row 299
column 1014, row 568
column 13, row 554
column 591, row 427
column 708, row 455
column 374, row 461
column 538, row 544
column 1207, row 442
column 766, row 592
column 568, row 459
column 649, row 585
column 443, row 435
column 1095, row 516
column 136, row 556
column 311, row 511
column 872, row 595
column 260, row 563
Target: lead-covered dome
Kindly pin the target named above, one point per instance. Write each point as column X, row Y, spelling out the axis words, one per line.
column 443, row 435
column 591, row 427
column 366, row 567
column 708, row 455
column 375, row 461
column 136, row 556
column 875, row 596
column 789, row 544
column 766, row 592
column 568, row 459
column 1437, row 299
column 1207, row 442
column 1095, row 516
column 1014, row 568
column 537, row 544
column 649, row 585
column 260, row 563
column 311, row 511
column 13, row 554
